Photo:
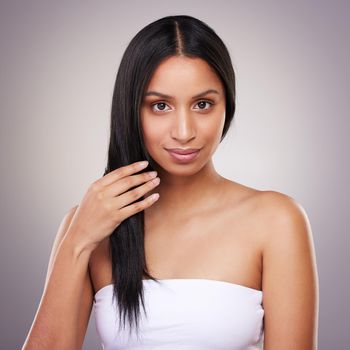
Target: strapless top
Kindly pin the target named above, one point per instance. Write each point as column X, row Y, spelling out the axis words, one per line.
column 191, row 314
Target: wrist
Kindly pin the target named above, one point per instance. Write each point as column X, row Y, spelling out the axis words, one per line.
column 77, row 245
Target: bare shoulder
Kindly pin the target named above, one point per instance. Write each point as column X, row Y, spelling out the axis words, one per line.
column 283, row 222
column 283, row 203
column 283, row 219
column 282, row 209
column 267, row 208
column 290, row 281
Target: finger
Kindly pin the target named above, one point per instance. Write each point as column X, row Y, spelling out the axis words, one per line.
column 121, row 172
column 127, row 183
column 134, row 208
column 131, row 196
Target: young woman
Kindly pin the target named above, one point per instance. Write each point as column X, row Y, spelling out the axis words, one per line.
column 191, row 259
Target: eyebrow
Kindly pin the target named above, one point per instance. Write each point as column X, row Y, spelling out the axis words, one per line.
column 155, row 93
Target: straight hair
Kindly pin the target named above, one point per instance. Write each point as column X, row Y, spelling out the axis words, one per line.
column 180, row 35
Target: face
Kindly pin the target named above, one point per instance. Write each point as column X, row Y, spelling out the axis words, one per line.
column 183, row 107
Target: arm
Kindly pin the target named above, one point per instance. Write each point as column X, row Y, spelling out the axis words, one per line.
column 59, row 322
column 290, row 281
column 65, row 307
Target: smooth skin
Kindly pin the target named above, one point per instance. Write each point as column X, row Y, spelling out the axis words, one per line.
column 63, row 314
column 269, row 227
column 202, row 225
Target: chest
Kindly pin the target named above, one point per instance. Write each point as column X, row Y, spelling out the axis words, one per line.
column 217, row 246
column 214, row 246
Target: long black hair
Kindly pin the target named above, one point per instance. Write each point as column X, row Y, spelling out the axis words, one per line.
column 180, row 35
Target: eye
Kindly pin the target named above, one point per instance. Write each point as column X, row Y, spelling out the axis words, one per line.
column 159, row 104
column 203, row 102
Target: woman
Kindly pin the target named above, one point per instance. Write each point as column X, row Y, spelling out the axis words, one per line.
column 193, row 260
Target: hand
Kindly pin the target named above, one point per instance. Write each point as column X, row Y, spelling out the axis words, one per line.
column 106, row 203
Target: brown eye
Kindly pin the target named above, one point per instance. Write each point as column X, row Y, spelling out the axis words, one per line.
column 162, row 106
column 202, row 104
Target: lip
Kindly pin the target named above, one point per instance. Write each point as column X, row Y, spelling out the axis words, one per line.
column 183, row 150
column 183, row 157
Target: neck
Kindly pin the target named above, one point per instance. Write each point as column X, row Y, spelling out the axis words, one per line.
column 184, row 195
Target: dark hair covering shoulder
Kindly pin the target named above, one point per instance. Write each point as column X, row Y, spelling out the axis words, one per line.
column 168, row 36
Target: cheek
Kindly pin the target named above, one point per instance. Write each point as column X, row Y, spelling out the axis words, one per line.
column 152, row 134
column 209, row 129
column 212, row 130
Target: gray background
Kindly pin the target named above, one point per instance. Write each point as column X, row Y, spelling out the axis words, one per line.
column 58, row 66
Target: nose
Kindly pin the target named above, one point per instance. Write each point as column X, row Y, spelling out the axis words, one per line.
column 183, row 128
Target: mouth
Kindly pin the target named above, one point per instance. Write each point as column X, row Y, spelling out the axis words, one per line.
column 183, row 155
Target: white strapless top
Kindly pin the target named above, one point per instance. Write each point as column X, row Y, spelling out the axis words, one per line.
column 191, row 314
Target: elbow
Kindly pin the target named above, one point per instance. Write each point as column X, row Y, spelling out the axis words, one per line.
column 49, row 343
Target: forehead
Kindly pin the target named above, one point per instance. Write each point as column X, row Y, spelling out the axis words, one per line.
column 184, row 74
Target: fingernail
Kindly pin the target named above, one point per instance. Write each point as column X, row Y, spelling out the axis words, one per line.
column 155, row 196
column 143, row 164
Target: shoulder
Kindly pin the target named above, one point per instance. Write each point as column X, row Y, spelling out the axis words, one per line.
column 280, row 207
column 264, row 205
column 276, row 219
column 290, row 281
column 281, row 223
column 283, row 218
column 268, row 207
